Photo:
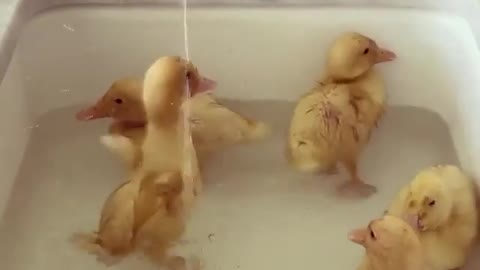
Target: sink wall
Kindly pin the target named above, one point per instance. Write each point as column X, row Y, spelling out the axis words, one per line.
column 14, row 13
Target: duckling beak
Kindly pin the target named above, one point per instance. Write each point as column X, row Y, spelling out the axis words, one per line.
column 413, row 221
column 384, row 55
column 204, row 85
column 91, row 113
column 358, row 236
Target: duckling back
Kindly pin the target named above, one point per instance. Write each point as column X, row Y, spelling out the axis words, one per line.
column 215, row 126
column 318, row 128
column 449, row 247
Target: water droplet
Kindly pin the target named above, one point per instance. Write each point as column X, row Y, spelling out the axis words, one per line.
column 68, row 27
column 65, row 90
column 33, row 126
column 211, row 237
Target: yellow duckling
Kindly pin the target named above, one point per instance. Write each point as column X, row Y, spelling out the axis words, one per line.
column 442, row 199
column 141, row 214
column 390, row 244
column 167, row 144
column 213, row 125
column 332, row 122
column 126, row 212
column 123, row 103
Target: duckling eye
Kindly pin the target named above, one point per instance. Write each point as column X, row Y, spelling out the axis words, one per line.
column 372, row 235
column 366, row 51
column 432, row 203
column 118, row 101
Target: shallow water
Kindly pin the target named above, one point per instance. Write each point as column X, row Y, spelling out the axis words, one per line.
column 256, row 211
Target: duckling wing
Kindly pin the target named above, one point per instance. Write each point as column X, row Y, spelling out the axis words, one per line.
column 321, row 128
column 156, row 192
column 323, row 114
column 116, row 233
column 215, row 124
column 113, row 206
column 117, row 218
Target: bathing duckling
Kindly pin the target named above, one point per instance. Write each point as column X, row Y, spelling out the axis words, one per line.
column 332, row 122
column 126, row 212
column 167, row 144
column 122, row 102
column 442, row 199
column 390, row 244
column 213, row 125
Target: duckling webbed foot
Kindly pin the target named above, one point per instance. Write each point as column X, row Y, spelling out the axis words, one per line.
column 108, row 260
column 332, row 170
column 176, row 263
column 356, row 188
column 328, row 169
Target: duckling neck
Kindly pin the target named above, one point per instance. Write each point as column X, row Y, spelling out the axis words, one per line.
column 163, row 147
column 385, row 263
column 167, row 117
column 163, row 108
column 410, row 259
column 343, row 79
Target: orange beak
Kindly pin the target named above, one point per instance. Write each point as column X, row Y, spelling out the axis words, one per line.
column 204, row 84
column 358, row 236
column 414, row 221
column 91, row 113
column 384, row 55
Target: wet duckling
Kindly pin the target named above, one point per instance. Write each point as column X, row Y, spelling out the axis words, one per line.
column 126, row 211
column 213, row 125
column 332, row 123
column 390, row 244
column 443, row 201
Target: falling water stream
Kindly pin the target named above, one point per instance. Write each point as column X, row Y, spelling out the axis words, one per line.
column 186, row 113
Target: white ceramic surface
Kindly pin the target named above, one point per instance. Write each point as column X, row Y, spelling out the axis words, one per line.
column 55, row 174
column 15, row 13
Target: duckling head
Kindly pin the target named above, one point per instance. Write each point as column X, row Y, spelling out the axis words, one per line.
column 386, row 237
column 429, row 201
column 168, row 81
column 353, row 54
column 122, row 101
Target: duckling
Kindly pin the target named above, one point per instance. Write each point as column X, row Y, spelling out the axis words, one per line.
column 128, row 208
column 390, row 244
column 163, row 93
column 442, row 199
column 332, row 123
column 213, row 125
column 120, row 102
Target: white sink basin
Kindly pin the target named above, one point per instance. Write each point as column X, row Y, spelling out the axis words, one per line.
column 261, row 214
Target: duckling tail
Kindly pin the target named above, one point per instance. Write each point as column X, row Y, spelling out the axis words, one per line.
column 88, row 242
column 258, row 131
column 305, row 157
column 121, row 146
